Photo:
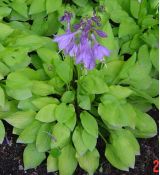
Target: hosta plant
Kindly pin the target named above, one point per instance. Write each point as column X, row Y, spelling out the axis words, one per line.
column 62, row 93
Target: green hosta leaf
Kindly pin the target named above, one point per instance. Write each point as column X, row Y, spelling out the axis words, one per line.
column 134, row 8
column 64, row 112
column 43, row 140
column 84, row 101
column 112, row 70
column 47, row 113
column 2, row 97
column 52, row 164
column 128, row 28
column 127, row 65
column 71, row 122
column 47, row 55
column 67, row 162
column 29, row 134
column 31, row 157
column 5, row 31
column 123, row 155
column 4, row 69
column 68, row 97
column 154, row 58
column 34, row 8
column 145, row 126
column 20, row 7
column 89, row 140
column 81, row 3
column 44, row 101
column 143, row 58
column 26, row 105
column 31, row 42
column 21, row 119
column 93, row 83
column 113, row 159
column 2, row 132
column 78, row 141
column 64, row 69
column 18, row 86
column 55, row 152
column 117, row 114
column 140, row 82
column 53, row 5
column 89, row 123
column 120, row 92
column 61, row 134
column 89, row 162
column 4, row 11
column 16, row 131
column 42, row 88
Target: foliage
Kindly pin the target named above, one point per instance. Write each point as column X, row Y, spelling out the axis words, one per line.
column 58, row 108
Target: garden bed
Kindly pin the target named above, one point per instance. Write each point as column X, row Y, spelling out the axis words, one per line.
column 12, row 157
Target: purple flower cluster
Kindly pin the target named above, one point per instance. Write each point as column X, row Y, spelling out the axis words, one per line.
column 82, row 43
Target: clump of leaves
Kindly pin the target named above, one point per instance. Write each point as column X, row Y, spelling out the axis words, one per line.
column 59, row 108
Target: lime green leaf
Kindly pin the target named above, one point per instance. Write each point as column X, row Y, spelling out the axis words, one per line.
column 5, row 31
column 113, row 159
column 31, row 157
column 2, row 132
column 26, row 105
column 89, row 140
column 127, row 65
column 84, row 101
column 145, row 126
column 78, row 142
column 43, row 140
column 53, row 5
column 89, row 162
column 143, row 58
column 47, row 113
column 21, row 119
column 4, row 11
column 42, row 88
column 2, row 97
column 81, row 3
column 41, row 102
column 120, row 92
column 20, row 7
column 55, row 152
column 61, row 134
column 64, row 69
column 123, row 155
column 71, row 122
column 64, row 112
column 34, row 8
column 52, row 164
column 28, row 135
column 68, row 97
column 47, row 55
column 128, row 28
column 67, row 162
column 154, row 58
column 134, row 8
column 86, row 120
column 93, row 83
column 4, row 69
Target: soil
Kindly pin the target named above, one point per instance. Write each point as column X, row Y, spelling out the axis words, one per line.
column 11, row 159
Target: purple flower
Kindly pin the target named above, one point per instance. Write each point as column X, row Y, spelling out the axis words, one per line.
column 100, row 51
column 101, row 33
column 64, row 40
column 85, row 55
column 71, row 49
